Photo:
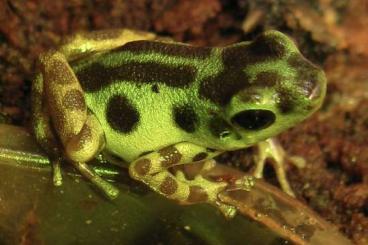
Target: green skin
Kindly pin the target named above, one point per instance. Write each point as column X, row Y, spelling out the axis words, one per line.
column 158, row 104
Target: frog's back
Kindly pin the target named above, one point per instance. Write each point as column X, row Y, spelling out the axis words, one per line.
column 144, row 94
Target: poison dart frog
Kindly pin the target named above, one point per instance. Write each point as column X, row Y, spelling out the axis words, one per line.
column 157, row 104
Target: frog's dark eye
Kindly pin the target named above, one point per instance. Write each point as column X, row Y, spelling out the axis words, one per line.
column 254, row 119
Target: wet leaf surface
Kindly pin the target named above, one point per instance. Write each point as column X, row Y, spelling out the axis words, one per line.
column 33, row 211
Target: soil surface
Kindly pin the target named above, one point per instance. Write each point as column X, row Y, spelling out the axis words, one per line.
column 332, row 34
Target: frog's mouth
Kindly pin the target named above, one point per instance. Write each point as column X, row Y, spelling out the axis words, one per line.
column 253, row 119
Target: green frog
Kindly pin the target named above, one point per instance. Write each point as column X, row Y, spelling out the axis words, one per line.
column 158, row 104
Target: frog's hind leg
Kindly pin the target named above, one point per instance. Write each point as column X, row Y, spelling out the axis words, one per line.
column 84, row 43
column 58, row 102
column 153, row 169
column 42, row 129
column 78, row 131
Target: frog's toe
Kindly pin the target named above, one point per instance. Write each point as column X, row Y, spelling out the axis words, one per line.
column 244, row 183
column 227, row 210
column 200, row 187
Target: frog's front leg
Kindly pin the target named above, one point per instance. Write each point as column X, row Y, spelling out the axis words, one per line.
column 271, row 149
column 153, row 169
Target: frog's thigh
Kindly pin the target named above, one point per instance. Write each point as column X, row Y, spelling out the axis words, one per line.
column 84, row 43
column 80, row 133
column 41, row 124
column 42, row 129
column 152, row 169
column 64, row 96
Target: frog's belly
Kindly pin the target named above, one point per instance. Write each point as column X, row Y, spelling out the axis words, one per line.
column 151, row 139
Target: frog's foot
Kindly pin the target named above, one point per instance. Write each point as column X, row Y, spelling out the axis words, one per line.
column 82, row 147
column 202, row 189
column 244, row 183
column 108, row 189
column 153, row 170
column 271, row 149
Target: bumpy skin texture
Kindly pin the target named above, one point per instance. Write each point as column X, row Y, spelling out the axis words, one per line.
column 158, row 104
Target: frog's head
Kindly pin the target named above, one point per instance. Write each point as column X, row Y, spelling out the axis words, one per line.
column 282, row 87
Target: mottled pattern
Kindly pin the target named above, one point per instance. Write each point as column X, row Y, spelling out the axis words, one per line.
column 168, row 186
column 186, row 118
column 121, row 115
column 171, row 49
column 200, row 156
column 170, row 156
column 59, row 122
column 197, row 194
column 142, row 166
column 95, row 76
column 74, row 100
column 42, row 127
column 59, row 71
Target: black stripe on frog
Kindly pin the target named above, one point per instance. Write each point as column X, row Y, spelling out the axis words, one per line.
column 95, row 76
column 222, row 87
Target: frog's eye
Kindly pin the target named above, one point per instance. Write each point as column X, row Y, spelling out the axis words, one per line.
column 254, row 119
